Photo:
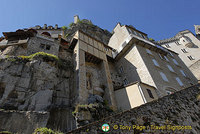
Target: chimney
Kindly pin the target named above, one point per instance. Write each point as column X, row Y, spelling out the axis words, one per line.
column 56, row 26
column 45, row 26
column 76, row 18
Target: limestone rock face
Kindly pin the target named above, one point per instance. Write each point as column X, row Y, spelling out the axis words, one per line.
column 93, row 30
column 35, row 85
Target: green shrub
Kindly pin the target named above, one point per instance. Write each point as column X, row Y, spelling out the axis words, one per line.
column 45, row 130
column 64, row 27
column 39, row 54
column 5, row 132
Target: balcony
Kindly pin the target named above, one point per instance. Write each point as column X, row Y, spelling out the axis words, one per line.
column 4, row 43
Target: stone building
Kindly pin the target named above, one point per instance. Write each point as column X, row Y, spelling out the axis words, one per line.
column 187, row 45
column 121, row 71
column 148, row 71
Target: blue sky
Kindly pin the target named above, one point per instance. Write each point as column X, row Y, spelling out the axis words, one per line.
column 160, row 19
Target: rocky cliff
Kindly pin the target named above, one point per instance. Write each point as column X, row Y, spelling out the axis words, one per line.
column 89, row 28
column 24, row 81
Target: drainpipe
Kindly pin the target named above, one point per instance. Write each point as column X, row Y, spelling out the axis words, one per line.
column 141, row 92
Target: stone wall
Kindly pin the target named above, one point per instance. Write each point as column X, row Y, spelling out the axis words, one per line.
column 42, row 43
column 194, row 68
column 179, row 109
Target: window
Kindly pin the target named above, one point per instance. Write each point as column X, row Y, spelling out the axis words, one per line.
column 121, row 70
column 106, row 49
column 150, row 93
column 184, row 50
column 183, row 73
column 167, row 45
column 130, row 31
column 170, row 54
column 161, row 56
column 190, row 57
column 42, row 46
column 125, row 81
column 177, row 43
column 163, row 76
column 166, row 58
column 175, row 62
column 143, row 36
column 155, row 62
column 170, row 68
column 148, row 51
column 48, row 47
column 179, row 81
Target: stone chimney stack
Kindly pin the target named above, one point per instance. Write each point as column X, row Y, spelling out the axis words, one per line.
column 45, row 26
column 56, row 26
column 76, row 18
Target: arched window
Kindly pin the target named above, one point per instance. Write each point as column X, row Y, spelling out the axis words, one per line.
column 47, row 34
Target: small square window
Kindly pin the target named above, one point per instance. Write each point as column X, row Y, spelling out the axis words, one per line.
column 48, row 47
column 42, row 46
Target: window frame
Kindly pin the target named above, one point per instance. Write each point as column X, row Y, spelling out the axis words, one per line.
column 170, row 68
column 179, row 81
column 155, row 63
column 150, row 93
column 164, row 77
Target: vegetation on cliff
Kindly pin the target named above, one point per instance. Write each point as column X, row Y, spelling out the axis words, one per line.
column 64, row 64
column 45, row 130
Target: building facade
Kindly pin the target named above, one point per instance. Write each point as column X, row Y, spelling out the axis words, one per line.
column 127, row 72
column 187, row 45
column 138, row 59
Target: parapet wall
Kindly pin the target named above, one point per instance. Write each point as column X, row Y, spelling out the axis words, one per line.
column 176, row 113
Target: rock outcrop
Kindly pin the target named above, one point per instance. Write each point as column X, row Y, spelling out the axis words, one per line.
column 36, row 84
column 87, row 27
